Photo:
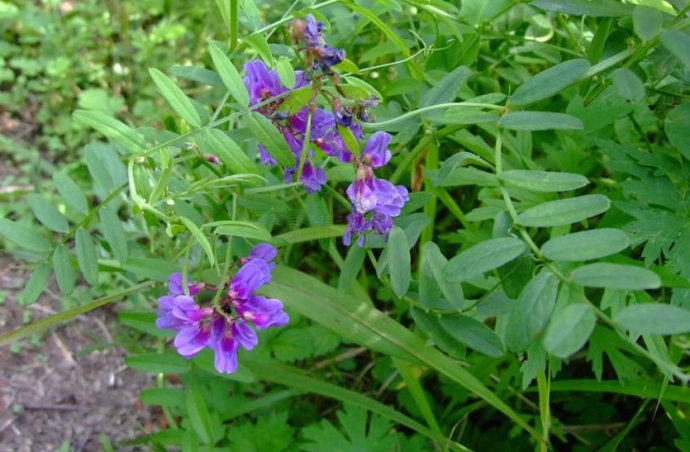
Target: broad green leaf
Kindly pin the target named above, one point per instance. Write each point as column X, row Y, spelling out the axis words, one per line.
column 539, row 120
column 543, row 181
column 218, row 143
column 310, row 234
column 586, row 245
column 260, row 45
column 483, row 257
column 569, row 330
column 550, row 82
column 531, row 311
column 114, row 233
column 230, row 76
column 70, row 192
column 446, row 90
column 285, row 72
column 64, row 271
column 244, row 229
column 113, row 129
column 163, row 396
column 86, row 256
column 47, row 213
column 199, row 416
column 348, row 66
column 201, row 238
column 431, row 325
column 628, row 85
column 474, row 334
column 36, row 284
column 615, row 276
column 433, row 283
column 675, row 126
column 359, row 322
column 155, row 363
column 175, row 97
column 647, row 22
column 197, row 74
column 296, row 100
column 678, row 43
column 399, row 261
column 268, row 135
column 598, row 8
column 564, row 211
column 351, row 267
column 653, row 318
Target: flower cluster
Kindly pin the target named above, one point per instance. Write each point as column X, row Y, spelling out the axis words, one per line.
column 319, row 55
column 227, row 326
column 369, row 194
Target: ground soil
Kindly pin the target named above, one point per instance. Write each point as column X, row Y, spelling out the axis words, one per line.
column 62, row 389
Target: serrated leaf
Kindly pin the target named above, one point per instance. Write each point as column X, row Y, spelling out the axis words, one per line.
column 36, row 284
column 474, row 334
column 86, row 256
column 531, row 311
column 539, row 120
column 64, row 271
column 268, row 135
column 114, row 233
column 652, row 318
column 113, row 129
column 550, row 82
column 586, row 245
column 543, row 181
column 218, row 143
column 615, row 276
column 47, row 213
column 483, row 257
column 201, row 238
column 71, row 193
column 175, row 97
column 399, row 261
column 230, row 76
column 564, row 211
column 569, row 330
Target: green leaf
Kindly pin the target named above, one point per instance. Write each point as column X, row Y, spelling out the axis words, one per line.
column 260, row 45
column 678, row 43
column 531, row 311
column 175, row 97
column 23, row 236
column 155, row 363
column 351, row 267
column 268, row 135
column 47, row 213
column 285, row 72
column 230, row 76
column 218, row 143
column 199, row 416
column 433, row 283
column 64, row 271
column 675, row 126
column 483, row 257
column 647, row 22
column 446, row 90
column 144, row 322
column 246, row 229
column 86, row 257
column 197, row 74
column 543, row 181
column 114, row 233
column 201, row 238
column 36, row 284
column 652, row 318
column 628, row 85
column 431, row 325
column 586, row 245
column 615, row 276
column 119, row 132
column 550, row 82
column 569, row 330
column 163, row 396
column 474, row 334
column 70, row 192
column 399, row 261
column 598, row 8
column 539, row 120
column 296, row 100
column 310, row 234
column 564, row 211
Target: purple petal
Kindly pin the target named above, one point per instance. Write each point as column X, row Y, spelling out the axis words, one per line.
column 264, row 312
column 244, row 335
column 265, row 157
column 190, row 340
column 263, row 251
column 312, row 178
column 175, row 285
column 251, row 276
column 226, row 356
column 376, row 150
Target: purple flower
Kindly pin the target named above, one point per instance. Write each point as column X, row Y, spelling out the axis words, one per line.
column 251, row 276
column 190, row 340
column 382, row 223
column 356, row 224
column 263, row 312
column 311, row 35
column 332, row 144
column 175, row 285
column 376, row 151
column 321, row 122
column 313, row 178
column 329, row 56
column 263, row 251
column 265, row 157
column 261, row 83
column 322, row 55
